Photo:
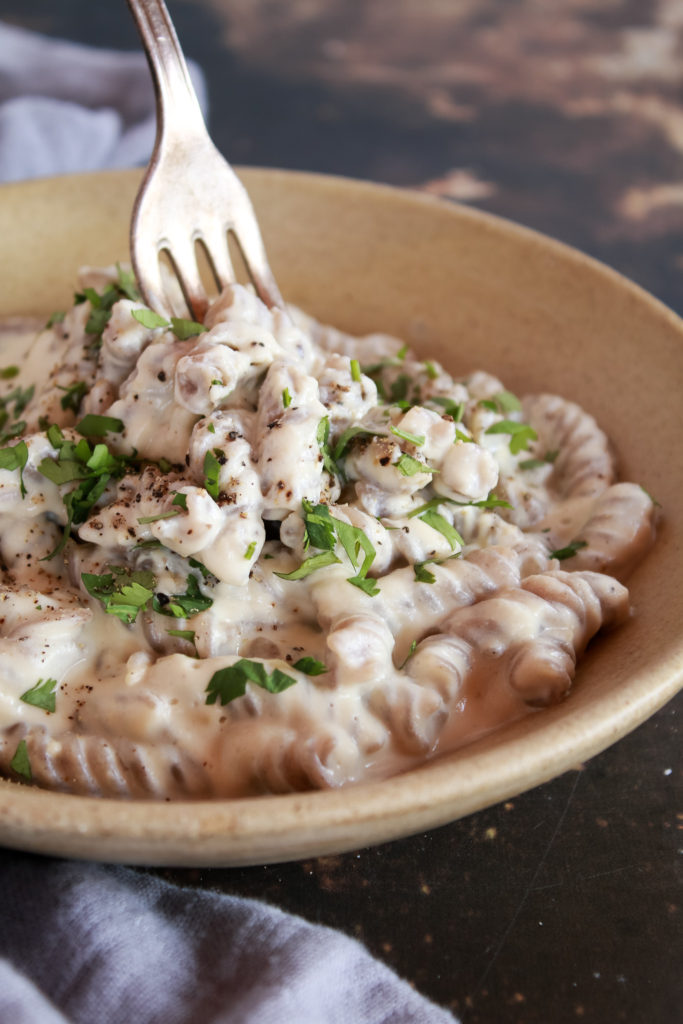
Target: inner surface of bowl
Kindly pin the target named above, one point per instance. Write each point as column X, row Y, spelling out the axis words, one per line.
column 475, row 293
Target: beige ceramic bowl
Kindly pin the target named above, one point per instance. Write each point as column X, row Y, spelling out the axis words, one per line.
column 473, row 291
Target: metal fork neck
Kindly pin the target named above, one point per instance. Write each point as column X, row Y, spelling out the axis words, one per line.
column 172, row 82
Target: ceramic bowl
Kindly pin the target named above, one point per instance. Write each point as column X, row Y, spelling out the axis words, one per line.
column 473, row 291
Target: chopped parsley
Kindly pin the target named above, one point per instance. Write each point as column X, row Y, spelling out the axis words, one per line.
column 148, row 318
column 422, row 573
column 8, row 372
column 228, row 683
column 12, row 406
column 249, row 553
column 183, row 606
column 347, row 437
column 455, row 410
column 310, row 666
column 416, row 439
column 409, row 466
column 569, row 551
column 310, row 565
column 212, row 468
column 183, row 634
column 520, row 433
column 355, row 370
column 121, row 592
column 92, row 467
column 503, row 402
column 97, row 426
column 286, row 398
column 322, row 436
column 322, row 530
column 42, row 695
column 55, row 318
column 170, row 514
column 185, row 329
column 15, row 457
column 73, row 395
column 180, row 499
column 431, row 370
column 20, row 762
column 441, row 524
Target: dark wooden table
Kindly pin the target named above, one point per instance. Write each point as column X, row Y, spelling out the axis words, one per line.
column 563, row 904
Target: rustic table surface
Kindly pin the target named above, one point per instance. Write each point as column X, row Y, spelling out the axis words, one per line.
column 564, row 903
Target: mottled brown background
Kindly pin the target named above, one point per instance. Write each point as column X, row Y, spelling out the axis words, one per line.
column 566, row 115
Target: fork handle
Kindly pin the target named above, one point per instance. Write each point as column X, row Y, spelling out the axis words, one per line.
column 172, row 83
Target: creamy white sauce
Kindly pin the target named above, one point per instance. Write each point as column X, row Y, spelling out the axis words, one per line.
column 459, row 618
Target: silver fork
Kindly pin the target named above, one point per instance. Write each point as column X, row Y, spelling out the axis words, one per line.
column 190, row 193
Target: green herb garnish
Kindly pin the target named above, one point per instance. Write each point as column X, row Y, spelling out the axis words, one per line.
column 409, row 466
column 520, row 434
column 310, row 666
column 229, row 683
column 569, row 551
column 20, row 762
column 121, row 592
column 212, row 468
column 42, row 695
column 416, row 439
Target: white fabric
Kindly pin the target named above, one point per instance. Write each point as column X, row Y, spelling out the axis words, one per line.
column 67, row 108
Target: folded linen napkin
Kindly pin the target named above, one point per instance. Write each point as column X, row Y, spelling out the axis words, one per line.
column 65, row 107
column 85, row 942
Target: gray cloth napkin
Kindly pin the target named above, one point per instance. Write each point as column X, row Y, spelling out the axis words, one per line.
column 85, row 942
column 66, row 108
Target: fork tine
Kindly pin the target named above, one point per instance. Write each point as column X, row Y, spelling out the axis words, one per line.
column 184, row 260
column 215, row 242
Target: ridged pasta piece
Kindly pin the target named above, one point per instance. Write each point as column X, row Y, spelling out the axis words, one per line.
column 585, row 463
column 92, row 765
column 618, row 532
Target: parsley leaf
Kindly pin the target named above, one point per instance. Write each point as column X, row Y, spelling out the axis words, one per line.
column 309, row 565
column 121, row 592
column 286, row 398
column 183, row 606
column 322, row 436
column 365, row 583
column 185, row 329
column 15, row 457
column 249, row 553
column 318, row 527
column 73, row 395
column 355, row 370
column 409, row 466
column 453, row 409
column 422, row 573
column 55, row 318
column 97, row 426
column 20, row 762
column 569, row 551
column 228, row 683
column 42, row 695
column 148, row 318
column 212, row 468
column 310, row 666
column 440, row 523
column 347, row 437
column 520, row 434
column 125, row 279
column 416, row 439
column 8, row 372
